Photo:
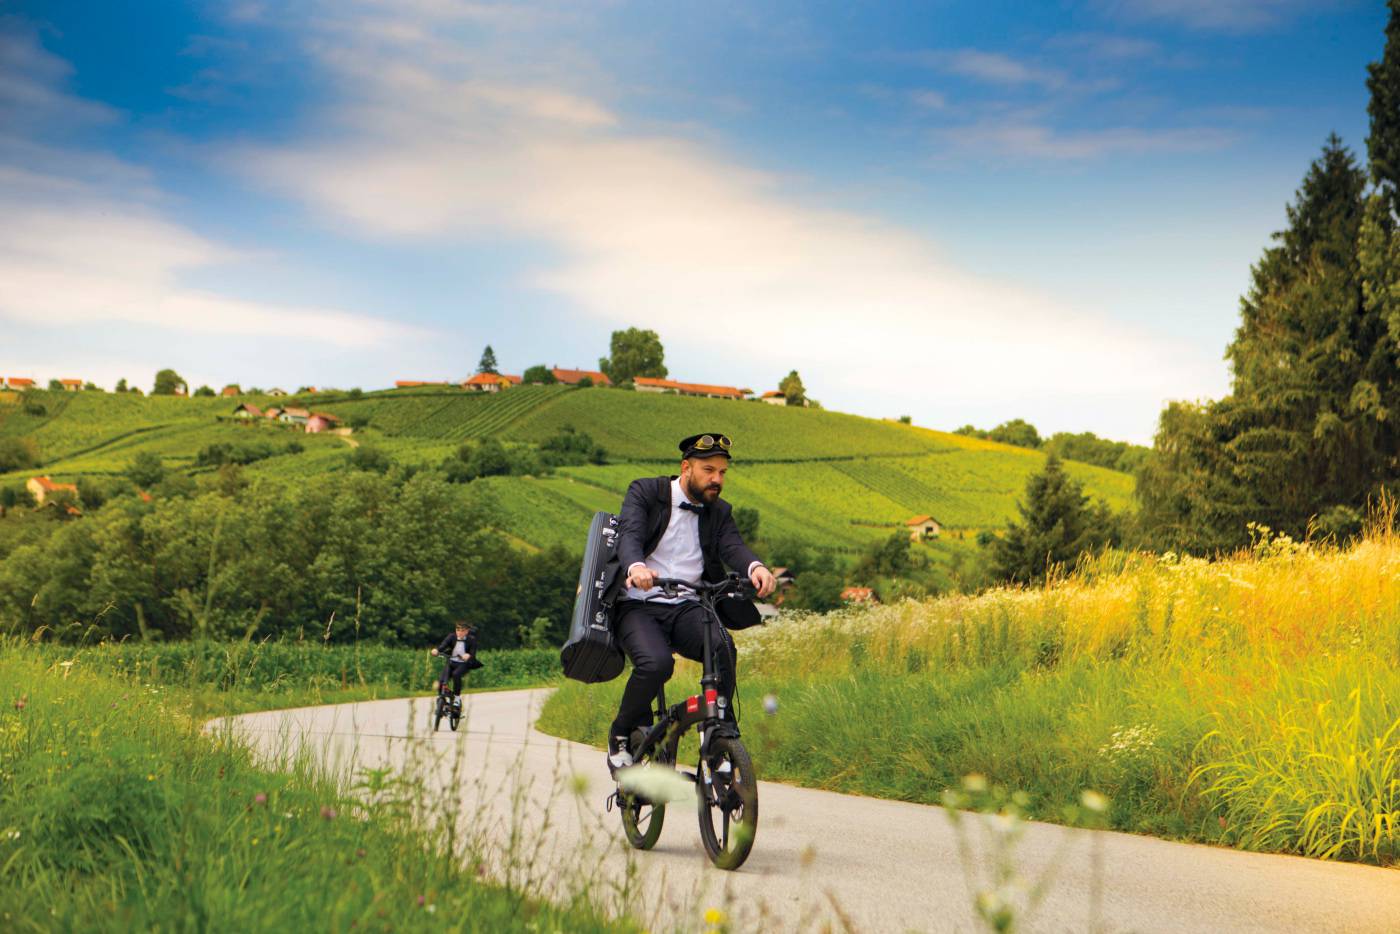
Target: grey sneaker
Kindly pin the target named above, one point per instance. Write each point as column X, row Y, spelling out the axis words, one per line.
column 619, row 755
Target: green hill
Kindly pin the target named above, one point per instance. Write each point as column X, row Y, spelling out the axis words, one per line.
column 827, row 479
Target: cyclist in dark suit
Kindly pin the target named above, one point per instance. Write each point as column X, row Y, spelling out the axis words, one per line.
column 459, row 649
column 677, row 527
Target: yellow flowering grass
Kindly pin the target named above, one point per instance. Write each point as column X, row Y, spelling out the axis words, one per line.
column 1252, row 700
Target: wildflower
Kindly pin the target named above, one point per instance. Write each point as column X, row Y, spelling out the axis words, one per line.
column 150, row 777
column 22, row 702
column 770, row 704
column 328, row 812
column 421, row 900
column 1094, row 801
column 714, row 917
column 12, row 835
column 260, row 798
column 431, row 908
column 975, row 783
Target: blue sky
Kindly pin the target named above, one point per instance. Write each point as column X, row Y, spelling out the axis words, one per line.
column 956, row 211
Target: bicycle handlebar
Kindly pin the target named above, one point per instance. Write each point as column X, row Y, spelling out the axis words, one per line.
column 732, row 586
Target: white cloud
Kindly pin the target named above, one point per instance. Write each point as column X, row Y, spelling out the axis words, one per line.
column 84, row 240
column 1012, row 139
column 1216, row 15
column 656, row 230
column 996, row 68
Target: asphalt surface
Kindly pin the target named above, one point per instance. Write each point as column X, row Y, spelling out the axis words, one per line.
column 533, row 806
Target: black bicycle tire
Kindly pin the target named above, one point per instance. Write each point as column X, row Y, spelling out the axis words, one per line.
column 636, row 837
column 745, row 784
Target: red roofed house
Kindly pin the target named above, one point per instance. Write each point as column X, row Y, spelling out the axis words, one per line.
column 651, row 384
column 248, row 410
column 858, row 595
column 272, row 412
column 572, row 377
column 71, row 385
column 321, row 421
column 412, row 383
column 923, row 527
column 490, row 382
column 775, row 398
column 18, row 382
column 232, row 389
column 42, row 487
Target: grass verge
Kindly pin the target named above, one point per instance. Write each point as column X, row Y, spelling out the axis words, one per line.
column 1252, row 701
column 117, row 813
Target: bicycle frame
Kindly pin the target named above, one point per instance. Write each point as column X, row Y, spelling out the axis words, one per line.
column 702, row 710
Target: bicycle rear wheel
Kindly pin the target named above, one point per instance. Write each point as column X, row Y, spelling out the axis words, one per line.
column 642, row 820
column 727, row 791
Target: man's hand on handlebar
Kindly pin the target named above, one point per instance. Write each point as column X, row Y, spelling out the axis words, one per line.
column 763, row 580
column 641, row 577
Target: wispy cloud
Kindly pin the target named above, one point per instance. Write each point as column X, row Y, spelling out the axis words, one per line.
column 1014, row 140
column 84, row 237
column 654, row 229
column 1216, row 15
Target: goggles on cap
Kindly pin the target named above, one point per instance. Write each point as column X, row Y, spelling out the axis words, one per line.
column 708, row 442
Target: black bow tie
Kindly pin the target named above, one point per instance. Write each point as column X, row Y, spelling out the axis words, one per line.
column 692, row 507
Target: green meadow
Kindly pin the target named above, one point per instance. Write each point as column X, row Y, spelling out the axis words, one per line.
column 118, row 813
column 1252, row 701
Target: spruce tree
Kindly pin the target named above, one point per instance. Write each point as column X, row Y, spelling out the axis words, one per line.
column 1055, row 528
column 1383, row 145
column 488, row 362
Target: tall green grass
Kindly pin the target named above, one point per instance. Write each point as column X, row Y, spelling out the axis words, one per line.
column 118, row 814
column 1251, row 701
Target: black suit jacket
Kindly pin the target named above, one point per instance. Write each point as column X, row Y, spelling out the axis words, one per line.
column 646, row 512
column 450, row 643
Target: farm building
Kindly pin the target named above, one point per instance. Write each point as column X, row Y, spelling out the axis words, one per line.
column 71, row 385
column 922, row 528
column 43, row 487
column 18, row 383
column 294, row 416
column 276, row 392
column 858, row 595
column 248, row 411
column 490, row 382
column 321, row 421
column 415, row 383
column 273, row 412
column 774, row 398
column 572, row 377
column 232, row 389
column 650, row 384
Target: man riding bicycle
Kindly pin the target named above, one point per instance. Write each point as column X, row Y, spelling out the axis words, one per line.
column 677, row 527
column 459, row 649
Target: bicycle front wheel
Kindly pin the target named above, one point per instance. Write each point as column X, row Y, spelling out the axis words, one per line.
column 727, row 790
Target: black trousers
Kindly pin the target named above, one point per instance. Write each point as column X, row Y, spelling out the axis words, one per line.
column 456, row 671
column 648, row 633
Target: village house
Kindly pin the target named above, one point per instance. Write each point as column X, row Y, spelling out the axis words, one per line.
column 43, row 487
column 276, row 392
column 71, row 385
column 232, row 389
column 18, row 383
column 922, row 528
column 294, row 416
column 651, row 384
column 490, row 382
column 573, row 377
column 774, row 398
column 858, row 595
column 415, row 383
column 321, row 421
column 248, row 411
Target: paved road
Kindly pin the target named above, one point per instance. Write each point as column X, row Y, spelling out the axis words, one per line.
column 822, row 861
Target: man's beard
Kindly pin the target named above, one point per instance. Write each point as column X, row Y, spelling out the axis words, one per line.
column 702, row 494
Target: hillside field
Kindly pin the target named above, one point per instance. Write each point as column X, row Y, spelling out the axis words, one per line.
column 825, row 479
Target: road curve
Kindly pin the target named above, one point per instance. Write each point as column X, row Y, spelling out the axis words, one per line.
column 534, row 807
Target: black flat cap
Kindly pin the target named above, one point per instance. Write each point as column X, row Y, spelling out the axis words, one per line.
column 709, row 444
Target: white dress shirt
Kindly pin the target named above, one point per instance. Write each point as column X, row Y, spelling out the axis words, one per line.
column 678, row 553
column 459, row 651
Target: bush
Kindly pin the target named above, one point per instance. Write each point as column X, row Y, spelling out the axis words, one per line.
column 571, row 447
column 146, row 470
column 371, row 459
column 18, row 454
